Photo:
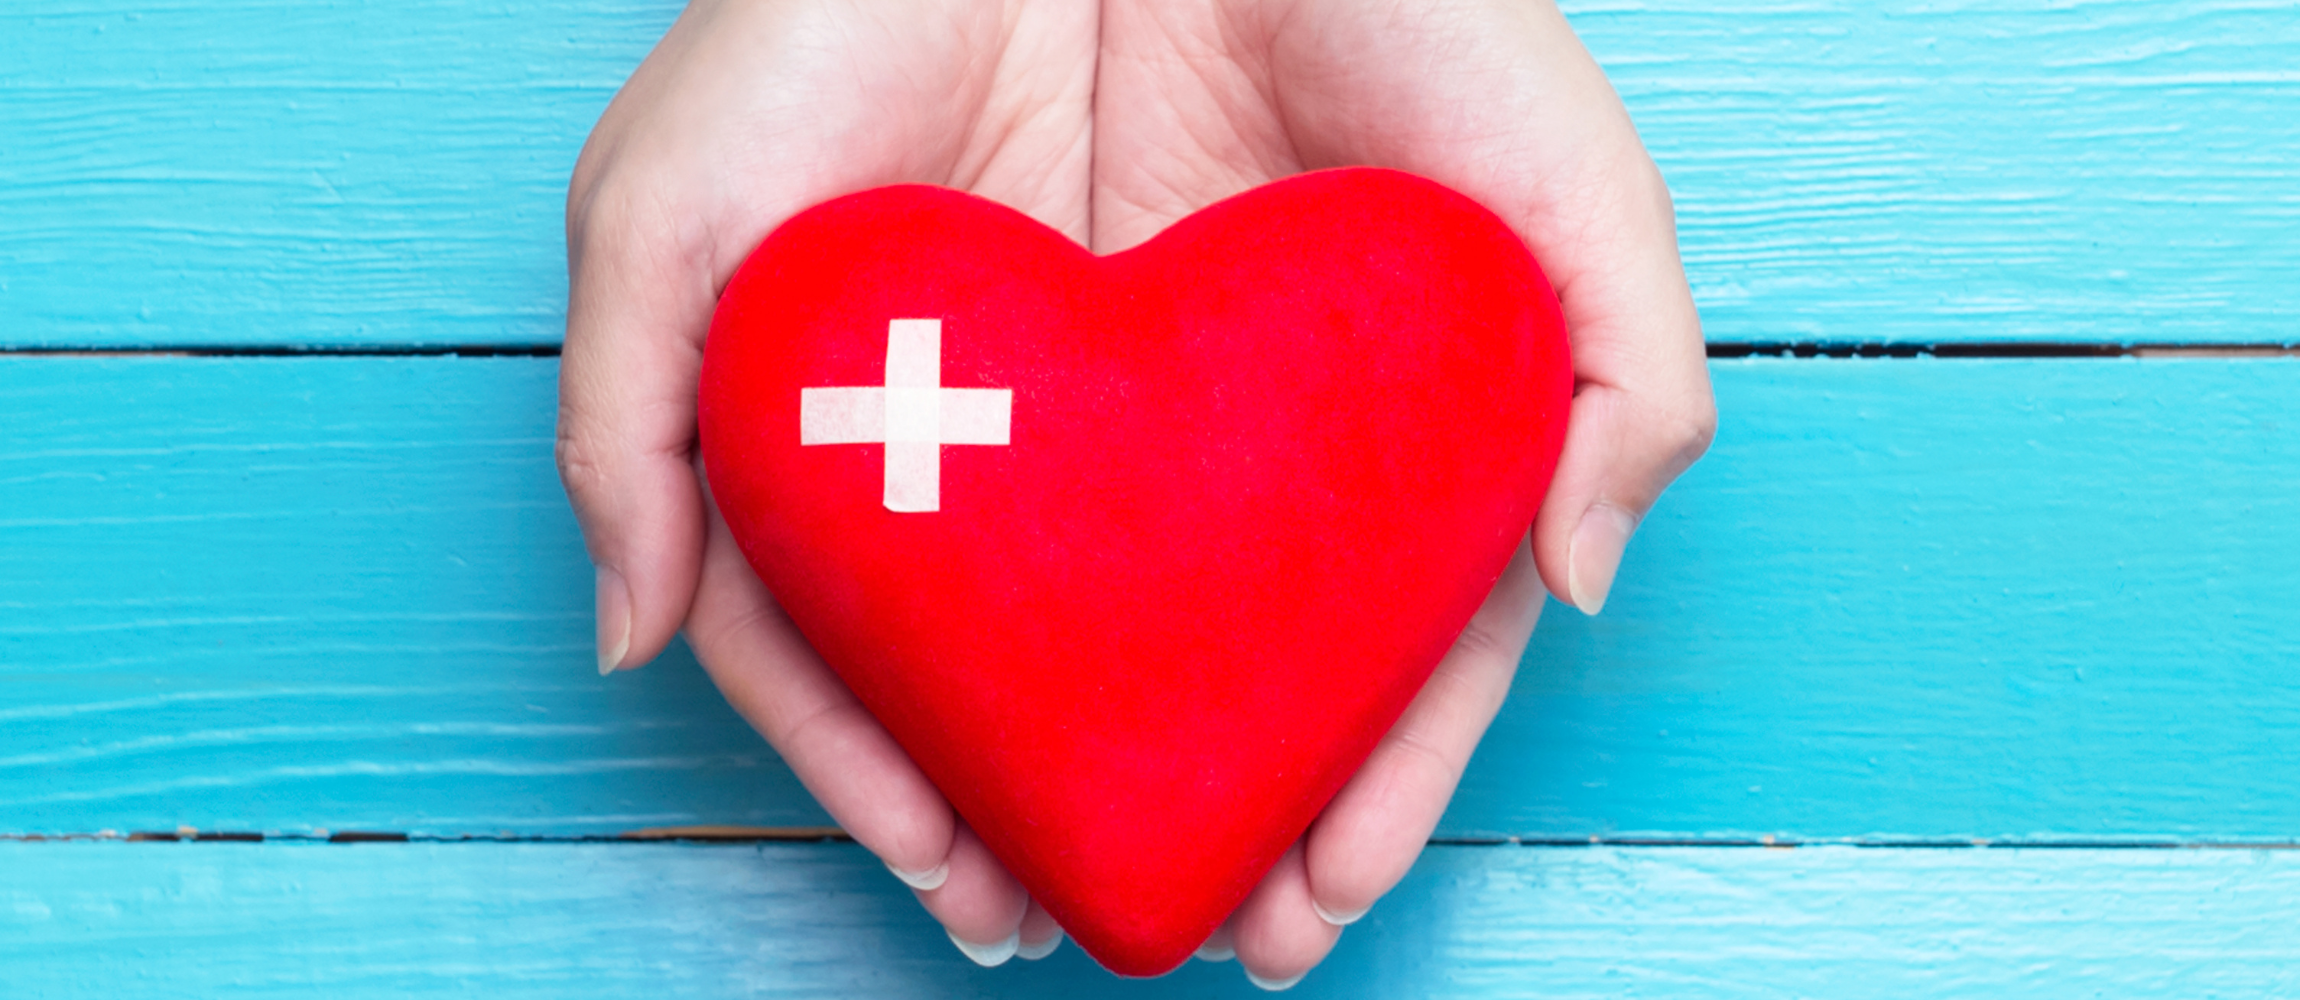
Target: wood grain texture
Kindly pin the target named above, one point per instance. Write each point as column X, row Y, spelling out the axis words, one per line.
column 579, row 921
column 2095, row 170
column 325, row 594
column 1919, row 599
column 1901, row 599
column 290, row 172
column 293, row 172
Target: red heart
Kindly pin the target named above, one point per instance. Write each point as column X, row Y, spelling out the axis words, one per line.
column 1260, row 471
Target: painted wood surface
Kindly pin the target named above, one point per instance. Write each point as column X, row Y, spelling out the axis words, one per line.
column 2036, row 170
column 579, row 921
column 1901, row 600
column 297, row 172
column 333, row 173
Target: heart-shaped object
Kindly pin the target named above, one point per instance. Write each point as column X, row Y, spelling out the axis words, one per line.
column 1165, row 541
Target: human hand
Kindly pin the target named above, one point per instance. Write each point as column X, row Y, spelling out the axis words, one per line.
column 746, row 113
column 1498, row 100
column 1107, row 125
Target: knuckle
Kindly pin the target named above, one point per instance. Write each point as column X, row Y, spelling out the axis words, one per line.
column 1478, row 641
column 622, row 212
column 608, row 209
column 581, row 471
column 711, row 633
column 1417, row 746
column 1654, row 186
column 582, row 186
column 1681, row 431
column 1694, row 429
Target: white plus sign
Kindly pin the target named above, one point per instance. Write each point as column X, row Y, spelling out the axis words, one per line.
column 912, row 414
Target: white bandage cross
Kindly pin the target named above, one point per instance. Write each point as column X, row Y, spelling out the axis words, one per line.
column 913, row 415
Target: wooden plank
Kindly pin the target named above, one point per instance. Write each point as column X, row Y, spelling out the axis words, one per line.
column 1919, row 172
column 1900, row 600
column 1928, row 599
column 325, row 594
column 284, row 172
column 567, row 921
column 281, row 172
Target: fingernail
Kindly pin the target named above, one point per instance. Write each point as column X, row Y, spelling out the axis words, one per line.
column 1342, row 919
column 926, row 881
column 1274, row 985
column 1034, row 952
column 990, row 955
column 1219, row 947
column 1595, row 553
column 614, row 620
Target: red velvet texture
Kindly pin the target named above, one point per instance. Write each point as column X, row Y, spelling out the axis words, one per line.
column 1262, row 470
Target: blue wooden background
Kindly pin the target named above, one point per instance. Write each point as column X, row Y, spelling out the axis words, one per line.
column 1969, row 673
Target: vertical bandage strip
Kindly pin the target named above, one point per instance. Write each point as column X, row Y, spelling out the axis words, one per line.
column 913, row 415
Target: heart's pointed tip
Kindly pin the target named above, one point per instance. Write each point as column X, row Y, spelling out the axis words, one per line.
column 1137, row 955
column 1134, row 967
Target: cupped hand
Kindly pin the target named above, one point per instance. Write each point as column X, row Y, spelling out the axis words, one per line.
column 1107, row 123
column 746, row 113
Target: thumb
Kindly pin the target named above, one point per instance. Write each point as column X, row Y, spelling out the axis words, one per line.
column 638, row 307
column 1642, row 406
column 1624, row 446
column 1508, row 108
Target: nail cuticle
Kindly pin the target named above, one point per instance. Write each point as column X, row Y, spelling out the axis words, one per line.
column 1342, row 919
column 989, row 955
column 1273, row 985
column 926, row 881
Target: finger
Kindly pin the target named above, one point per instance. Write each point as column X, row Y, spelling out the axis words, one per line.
column 1370, row 834
column 1278, row 937
column 835, row 747
column 1525, row 123
column 1627, row 441
column 980, row 905
column 1040, row 934
column 1220, row 946
column 1642, row 409
column 1602, row 225
column 850, row 763
column 1642, row 406
column 638, row 305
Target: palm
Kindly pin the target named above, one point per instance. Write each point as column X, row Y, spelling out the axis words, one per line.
column 1196, row 102
column 747, row 113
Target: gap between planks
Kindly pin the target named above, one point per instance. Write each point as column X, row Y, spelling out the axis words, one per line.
column 1719, row 350
column 720, row 834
